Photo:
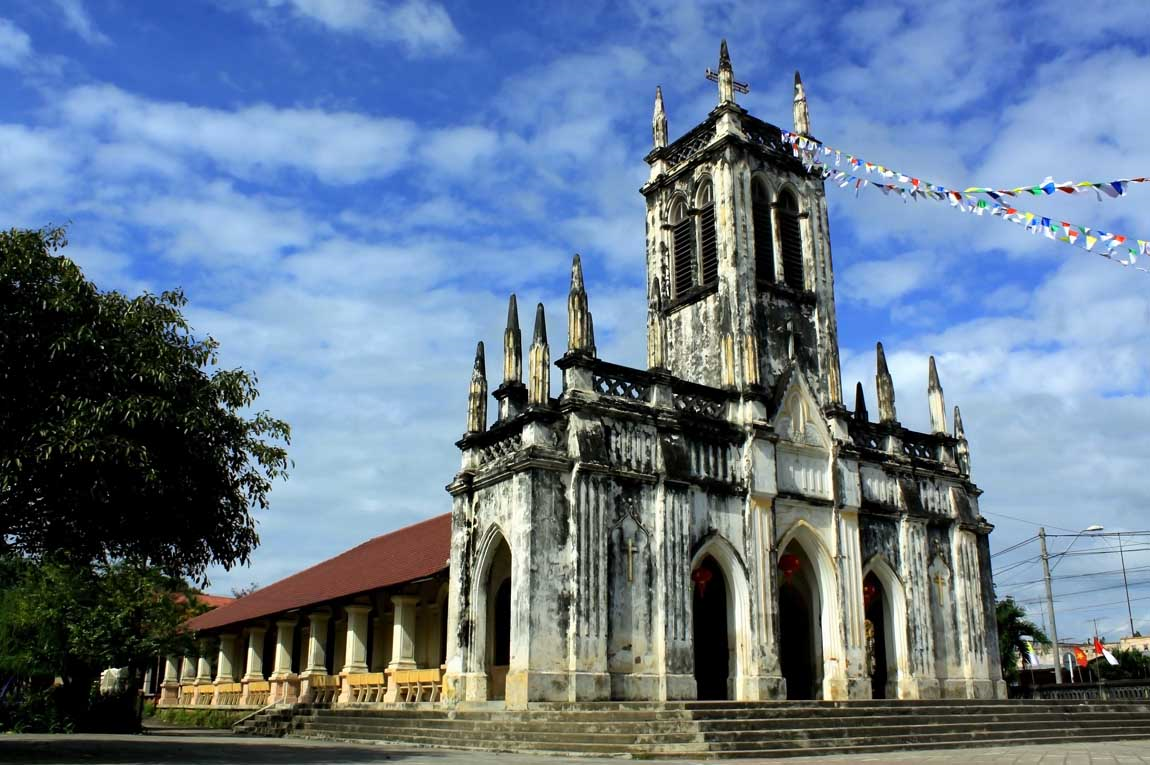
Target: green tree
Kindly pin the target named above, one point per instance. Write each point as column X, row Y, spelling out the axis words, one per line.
column 64, row 624
column 116, row 442
column 1012, row 625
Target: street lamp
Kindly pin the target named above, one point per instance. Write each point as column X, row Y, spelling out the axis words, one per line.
column 1050, row 592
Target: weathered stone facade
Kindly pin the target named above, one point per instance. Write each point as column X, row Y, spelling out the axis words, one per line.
column 717, row 525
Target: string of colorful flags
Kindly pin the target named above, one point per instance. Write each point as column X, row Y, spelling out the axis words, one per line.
column 816, row 157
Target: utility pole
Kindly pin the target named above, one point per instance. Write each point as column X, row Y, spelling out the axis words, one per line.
column 1050, row 605
column 1125, row 584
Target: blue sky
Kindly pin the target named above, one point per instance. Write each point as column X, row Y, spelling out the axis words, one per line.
column 349, row 189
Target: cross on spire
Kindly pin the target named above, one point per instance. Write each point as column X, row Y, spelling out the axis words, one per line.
column 726, row 77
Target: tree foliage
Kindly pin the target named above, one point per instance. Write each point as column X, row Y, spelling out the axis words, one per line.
column 61, row 625
column 116, row 442
column 1012, row 626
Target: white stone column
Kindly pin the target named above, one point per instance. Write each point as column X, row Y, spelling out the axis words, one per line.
column 172, row 669
column 225, row 668
column 317, row 643
column 285, row 633
column 204, row 665
column 254, row 669
column 355, row 651
column 188, row 670
column 403, row 632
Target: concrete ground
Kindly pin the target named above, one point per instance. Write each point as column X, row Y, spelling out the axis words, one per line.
column 223, row 749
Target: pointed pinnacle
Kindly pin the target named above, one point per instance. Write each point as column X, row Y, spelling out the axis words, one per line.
column 798, row 79
column 933, row 383
column 860, row 403
column 882, row 368
column 576, row 274
column 724, row 56
column 480, row 360
column 656, row 295
column 658, row 99
column 513, row 314
column 959, row 432
column 540, row 337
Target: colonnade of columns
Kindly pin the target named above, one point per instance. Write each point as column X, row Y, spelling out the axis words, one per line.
column 396, row 631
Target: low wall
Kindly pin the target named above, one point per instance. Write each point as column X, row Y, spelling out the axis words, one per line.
column 1115, row 690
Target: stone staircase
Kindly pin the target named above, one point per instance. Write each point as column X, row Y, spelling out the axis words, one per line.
column 273, row 720
column 710, row 730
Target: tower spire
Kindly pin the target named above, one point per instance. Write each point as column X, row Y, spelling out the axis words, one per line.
column 860, row 404
column 512, row 346
column 477, row 394
column 884, row 385
column 802, row 114
column 580, row 329
column 726, row 75
column 962, row 451
column 934, row 397
column 539, row 390
column 659, row 120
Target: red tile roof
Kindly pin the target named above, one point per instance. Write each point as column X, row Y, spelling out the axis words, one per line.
column 410, row 553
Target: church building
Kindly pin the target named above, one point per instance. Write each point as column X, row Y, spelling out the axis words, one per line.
column 718, row 525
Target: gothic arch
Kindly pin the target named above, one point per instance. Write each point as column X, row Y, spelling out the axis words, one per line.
column 789, row 206
column 810, row 540
column 762, row 227
column 483, row 646
column 738, row 606
column 894, row 613
column 682, row 244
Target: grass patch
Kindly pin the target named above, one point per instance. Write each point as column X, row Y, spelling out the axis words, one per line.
column 199, row 718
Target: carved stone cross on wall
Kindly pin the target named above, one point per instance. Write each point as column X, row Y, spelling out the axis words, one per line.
column 940, row 581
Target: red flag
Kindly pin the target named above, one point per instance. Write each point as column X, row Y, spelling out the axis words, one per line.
column 1080, row 656
column 1098, row 649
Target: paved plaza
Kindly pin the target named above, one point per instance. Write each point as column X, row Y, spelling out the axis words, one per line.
column 223, row 749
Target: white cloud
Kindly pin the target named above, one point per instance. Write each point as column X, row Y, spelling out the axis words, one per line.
column 424, row 28
column 75, row 17
column 880, row 282
column 15, row 45
column 338, row 147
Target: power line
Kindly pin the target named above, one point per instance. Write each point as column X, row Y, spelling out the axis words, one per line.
column 1108, row 572
column 1090, row 591
column 1023, row 520
column 1103, row 605
column 1014, row 547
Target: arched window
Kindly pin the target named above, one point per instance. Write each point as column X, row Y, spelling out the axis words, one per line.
column 764, row 236
column 708, row 241
column 683, row 249
column 791, row 239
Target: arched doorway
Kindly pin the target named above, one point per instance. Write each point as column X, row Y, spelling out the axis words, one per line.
column 800, row 624
column 711, row 635
column 877, row 629
column 498, row 633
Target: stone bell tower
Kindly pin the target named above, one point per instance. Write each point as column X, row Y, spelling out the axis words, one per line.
column 740, row 282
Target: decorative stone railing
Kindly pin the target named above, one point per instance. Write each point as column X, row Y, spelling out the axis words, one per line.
column 919, row 445
column 418, row 684
column 502, row 447
column 259, row 691
column 229, row 694
column 187, row 694
column 1107, row 691
column 690, row 144
column 698, row 400
column 324, row 689
column 865, row 436
column 366, row 687
column 621, row 382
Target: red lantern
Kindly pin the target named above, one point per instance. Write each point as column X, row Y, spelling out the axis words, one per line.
column 869, row 591
column 789, row 564
column 700, row 577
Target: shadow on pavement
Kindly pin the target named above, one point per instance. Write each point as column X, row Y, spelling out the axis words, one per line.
column 144, row 750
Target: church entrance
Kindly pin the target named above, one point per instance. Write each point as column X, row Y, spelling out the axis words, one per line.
column 499, row 622
column 875, row 606
column 800, row 624
column 712, row 641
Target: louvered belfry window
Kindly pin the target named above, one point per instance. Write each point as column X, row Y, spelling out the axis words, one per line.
column 683, row 244
column 764, row 236
column 791, row 239
column 708, row 237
